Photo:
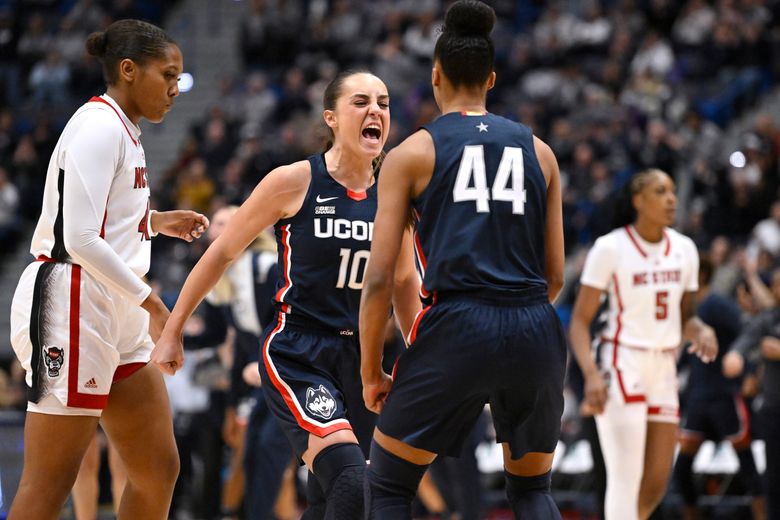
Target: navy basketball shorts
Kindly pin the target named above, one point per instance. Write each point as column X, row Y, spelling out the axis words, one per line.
column 465, row 353
column 311, row 381
column 724, row 418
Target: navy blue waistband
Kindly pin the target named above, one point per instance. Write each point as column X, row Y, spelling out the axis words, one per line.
column 304, row 324
column 531, row 296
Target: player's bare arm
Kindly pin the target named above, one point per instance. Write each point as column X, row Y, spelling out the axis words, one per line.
column 585, row 308
column 397, row 185
column 279, row 195
column 406, row 286
column 554, row 254
column 184, row 224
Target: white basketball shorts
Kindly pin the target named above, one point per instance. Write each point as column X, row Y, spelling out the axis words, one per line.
column 643, row 376
column 74, row 337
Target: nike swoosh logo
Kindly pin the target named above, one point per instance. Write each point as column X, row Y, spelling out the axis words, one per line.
column 320, row 200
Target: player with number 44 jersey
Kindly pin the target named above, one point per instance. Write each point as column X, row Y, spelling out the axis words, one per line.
column 486, row 198
column 494, row 216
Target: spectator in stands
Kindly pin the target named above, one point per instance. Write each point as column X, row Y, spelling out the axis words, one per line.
column 50, row 79
column 766, row 234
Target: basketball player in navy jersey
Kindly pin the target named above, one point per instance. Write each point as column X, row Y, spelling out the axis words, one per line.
column 323, row 211
column 489, row 241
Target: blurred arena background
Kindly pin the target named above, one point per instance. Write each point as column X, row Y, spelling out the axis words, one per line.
column 614, row 86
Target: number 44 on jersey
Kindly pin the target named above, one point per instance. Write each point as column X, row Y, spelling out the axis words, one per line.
column 471, row 182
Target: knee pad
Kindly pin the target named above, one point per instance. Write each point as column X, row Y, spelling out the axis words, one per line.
column 530, row 497
column 339, row 470
column 391, row 484
column 333, row 459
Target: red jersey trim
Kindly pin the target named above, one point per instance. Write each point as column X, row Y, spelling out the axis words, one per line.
column 636, row 243
column 286, row 261
column 357, row 195
column 667, row 248
column 97, row 99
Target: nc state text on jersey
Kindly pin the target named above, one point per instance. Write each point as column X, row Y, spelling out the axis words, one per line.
column 657, row 277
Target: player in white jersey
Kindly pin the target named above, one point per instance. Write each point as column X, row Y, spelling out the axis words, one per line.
column 649, row 273
column 83, row 320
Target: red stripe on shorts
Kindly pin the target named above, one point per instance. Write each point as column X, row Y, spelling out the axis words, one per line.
column 75, row 398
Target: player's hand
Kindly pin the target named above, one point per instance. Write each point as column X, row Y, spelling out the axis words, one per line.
column 706, row 345
column 770, row 348
column 251, row 374
column 595, row 394
column 733, row 364
column 375, row 392
column 168, row 353
column 184, row 224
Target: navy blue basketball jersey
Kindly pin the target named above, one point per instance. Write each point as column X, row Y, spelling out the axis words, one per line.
column 481, row 219
column 323, row 252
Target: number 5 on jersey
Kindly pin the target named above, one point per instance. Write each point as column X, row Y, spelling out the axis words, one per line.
column 471, row 182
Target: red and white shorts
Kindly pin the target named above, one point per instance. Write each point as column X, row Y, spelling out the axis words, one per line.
column 646, row 376
column 74, row 338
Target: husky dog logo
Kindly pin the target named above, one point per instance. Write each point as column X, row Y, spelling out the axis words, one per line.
column 320, row 402
column 54, row 358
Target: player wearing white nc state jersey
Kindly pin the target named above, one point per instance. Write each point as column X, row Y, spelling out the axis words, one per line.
column 641, row 279
column 94, row 215
column 82, row 318
column 648, row 272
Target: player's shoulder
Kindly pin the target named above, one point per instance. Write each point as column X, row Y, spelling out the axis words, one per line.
column 96, row 120
column 610, row 242
column 415, row 143
column 417, row 149
column 297, row 174
column 685, row 242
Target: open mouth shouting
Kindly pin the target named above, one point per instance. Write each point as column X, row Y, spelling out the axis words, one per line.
column 372, row 133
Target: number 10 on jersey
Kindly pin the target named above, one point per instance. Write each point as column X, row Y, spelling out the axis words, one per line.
column 355, row 266
column 471, row 182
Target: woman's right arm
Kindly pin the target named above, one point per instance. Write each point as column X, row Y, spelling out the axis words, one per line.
column 599, row 268
column 585, row 308
column 279, row 195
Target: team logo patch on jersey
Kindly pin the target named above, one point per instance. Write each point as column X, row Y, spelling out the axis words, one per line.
column 320, row 402
column 54, row 358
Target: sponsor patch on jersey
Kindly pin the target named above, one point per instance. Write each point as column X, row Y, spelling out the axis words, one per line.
column 324, row 210
column 54, row 358
column 320, row 402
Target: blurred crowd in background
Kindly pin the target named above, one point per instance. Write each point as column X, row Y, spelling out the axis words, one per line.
column 613, row 86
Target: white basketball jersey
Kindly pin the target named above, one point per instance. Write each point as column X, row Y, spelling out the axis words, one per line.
column 96, row 199
column 645, row 283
